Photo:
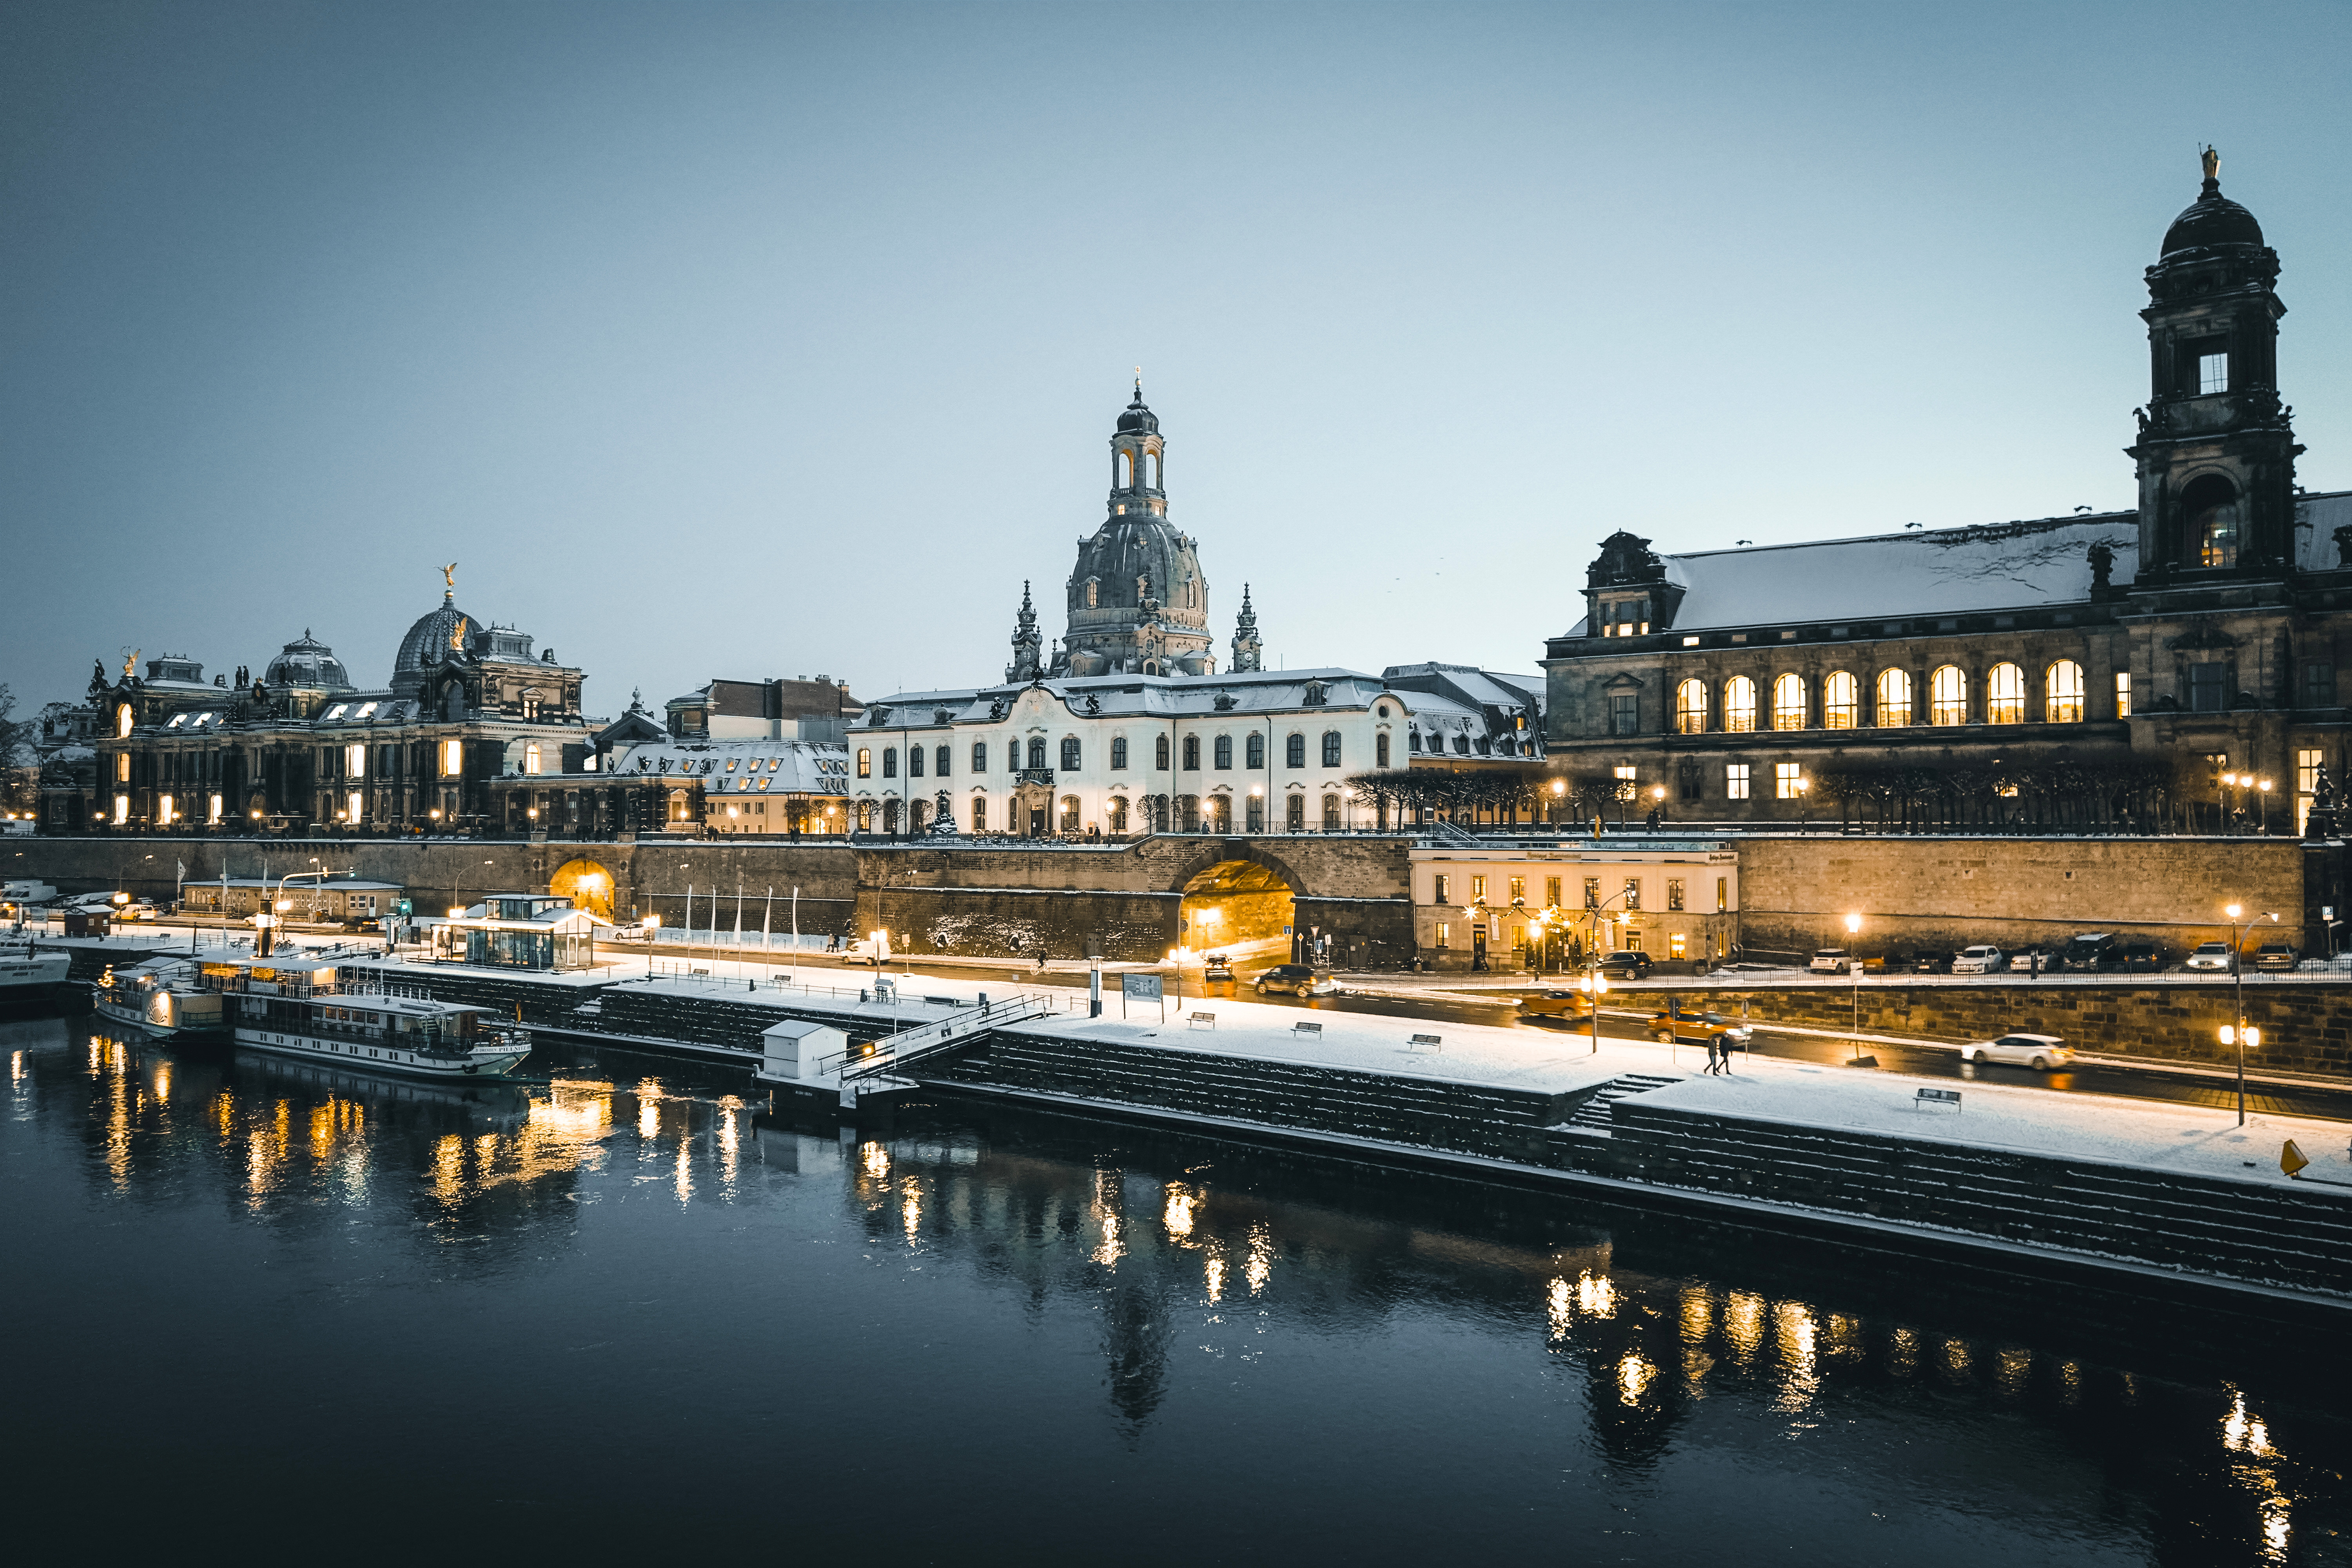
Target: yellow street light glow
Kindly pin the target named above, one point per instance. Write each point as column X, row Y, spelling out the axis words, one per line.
column 457, row 912
column 1852, row 924
column 2234, row 911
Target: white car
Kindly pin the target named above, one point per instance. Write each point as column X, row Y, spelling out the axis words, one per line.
column 1979, row 960
column 2209, row 955
column 136, row 909
column 1830, row 961
column 2039, row 1052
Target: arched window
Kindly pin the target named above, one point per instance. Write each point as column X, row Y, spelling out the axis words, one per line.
column 1254, row 754
column 2005, row 695
column 1151, row 471
column 1330, row 813
column 2211, row 505
column 1690, row 707
column 1330, row 748
column 914, row 761
column 1037, row 753
column 1225, row 753
column 1894, row 697
column 979, row 814
column 1069, row 753
column 1119, row 754
column 979, row 756
column 1116, row 809
column 1948, row 696
column 1381, row 750
column 1294, row 751
column 890, row 761
column 1739, row 703
column 939, row 761
column 2064, row 703
column 866, row 762
column 1788, row 702
column 1159, row 752
column 1217, row 813
column 531, row 757
column 1123, row 471
column 1841, row 701
column 1192, row 753
column 1069, row 814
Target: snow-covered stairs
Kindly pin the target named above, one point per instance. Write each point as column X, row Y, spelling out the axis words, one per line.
column 1593, row 1114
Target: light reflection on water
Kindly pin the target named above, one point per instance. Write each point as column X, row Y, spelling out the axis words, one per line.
column 994, row 1299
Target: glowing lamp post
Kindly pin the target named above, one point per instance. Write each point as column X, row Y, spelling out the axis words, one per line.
column 2240, row 1035
column 1853, row 963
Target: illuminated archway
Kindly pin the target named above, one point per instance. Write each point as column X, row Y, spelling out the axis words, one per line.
column 1239, row 908
column 587, row 884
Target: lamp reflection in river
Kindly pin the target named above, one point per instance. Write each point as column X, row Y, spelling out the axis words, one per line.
column 1794, row 1335
column 1260, row 1267
column 1743, row 1324
column 1111, row 1249
column 1213, row 1275
column 1179, row 1215
column 1633, row 1375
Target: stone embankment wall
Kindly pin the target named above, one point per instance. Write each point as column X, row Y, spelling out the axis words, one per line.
column 2306, row 1026
column 2297, row 1236
column 1913, row 891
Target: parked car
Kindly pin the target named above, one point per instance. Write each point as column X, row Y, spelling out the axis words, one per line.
column 1830, row 961
column 2039, row 1052
column 1979, row 960
column 1926, row 961
column 136, row 909
column 1697, row 1028
column 2141, row 958
column 1630, row 961
column 2094, row 950
column 2276, row 956
column 1217, row 966
column 1574, row 1005
column 1299, row 980
column 2037, row 960
column 2209, row 955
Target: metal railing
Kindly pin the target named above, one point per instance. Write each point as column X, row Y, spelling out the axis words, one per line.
column 908, row 1046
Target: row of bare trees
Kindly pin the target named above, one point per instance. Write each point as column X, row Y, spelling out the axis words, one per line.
column 2064, row 795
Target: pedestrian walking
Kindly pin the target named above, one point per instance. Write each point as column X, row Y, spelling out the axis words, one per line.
column 1714, row 1053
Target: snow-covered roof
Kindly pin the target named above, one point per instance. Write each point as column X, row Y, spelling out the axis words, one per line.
column 749, row 766
column 1139, row 696
column 1946, row 571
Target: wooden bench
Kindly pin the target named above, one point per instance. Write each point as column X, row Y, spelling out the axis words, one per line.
column 1201, row 1018
column 1950, row 1096
column 1433, row 1042
column 1306, row 1028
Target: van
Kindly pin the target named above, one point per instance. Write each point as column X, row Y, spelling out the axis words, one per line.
column 27, row 892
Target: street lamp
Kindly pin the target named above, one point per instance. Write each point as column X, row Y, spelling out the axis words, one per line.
column 2240, row 1036
column 2266, row 789
column 1853, row 963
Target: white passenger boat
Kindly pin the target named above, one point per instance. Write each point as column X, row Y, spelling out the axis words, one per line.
column 26, row 975
column 299, row 1010
column 163, row 997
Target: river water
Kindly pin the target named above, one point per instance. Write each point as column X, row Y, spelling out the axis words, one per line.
column 283, row 1311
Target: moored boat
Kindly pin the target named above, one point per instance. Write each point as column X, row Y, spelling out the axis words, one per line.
column 163, row 997
column 29, row 975
column 301, row 1010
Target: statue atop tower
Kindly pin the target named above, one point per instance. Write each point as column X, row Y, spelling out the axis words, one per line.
column 1138, row 601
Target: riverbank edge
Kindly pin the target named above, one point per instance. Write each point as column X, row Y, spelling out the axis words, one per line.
column 2305, row 1309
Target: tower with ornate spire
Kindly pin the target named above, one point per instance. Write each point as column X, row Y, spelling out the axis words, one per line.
column 2217, row 448
column 1028, row 647
column 1138, row 601
column 1247, row 652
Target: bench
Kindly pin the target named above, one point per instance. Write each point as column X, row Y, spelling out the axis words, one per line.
column 1199, row 1019
column 1950, row 1096
column 1434, row 1042
column 1306, row 1028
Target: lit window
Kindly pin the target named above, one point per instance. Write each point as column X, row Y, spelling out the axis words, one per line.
column 1788, row 780
column 213, row 813
column 1444, row 935
column 1439, row 896
column 865, row 762
column 1675, row 894
column 731, row 765
column 2212, row 373
column 1894, row 697
column 2123, row 694
column 1477, row 890
column 1948, row 696
column 121, row 809
column 1632, row 892
column 453, row 758
column 2005, row 695
column 1722, row 895
column 122, row 720
column 163, row 808
column 351, row 807
column 1690, row 707
column 1788, row 702
column 1518, row 890
column 1841, row 701
column 1738, row 704
column 2064, row 703
column 122, row 767
column 1735, row 781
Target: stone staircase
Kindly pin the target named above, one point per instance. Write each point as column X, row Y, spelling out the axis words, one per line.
column 1593, row 1114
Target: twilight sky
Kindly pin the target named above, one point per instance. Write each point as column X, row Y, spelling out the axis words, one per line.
column 771, row 340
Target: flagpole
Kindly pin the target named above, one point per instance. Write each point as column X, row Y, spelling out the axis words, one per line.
column 767, row 911
column 793, row 967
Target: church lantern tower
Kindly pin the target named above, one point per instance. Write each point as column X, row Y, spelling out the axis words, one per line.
column 1028, row 646
column 1248, row 653
column 2216, row 449
column 1138, row 601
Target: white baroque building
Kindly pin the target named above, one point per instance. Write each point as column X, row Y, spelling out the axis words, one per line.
column 1128, row 727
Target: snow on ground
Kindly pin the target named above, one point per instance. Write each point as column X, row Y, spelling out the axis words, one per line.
column 2205, row 1141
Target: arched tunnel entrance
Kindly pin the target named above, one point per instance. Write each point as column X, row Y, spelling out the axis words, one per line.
column 1237, row 907
column 587, row 884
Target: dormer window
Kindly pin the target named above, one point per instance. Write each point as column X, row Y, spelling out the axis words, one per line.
column 1625, row 618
